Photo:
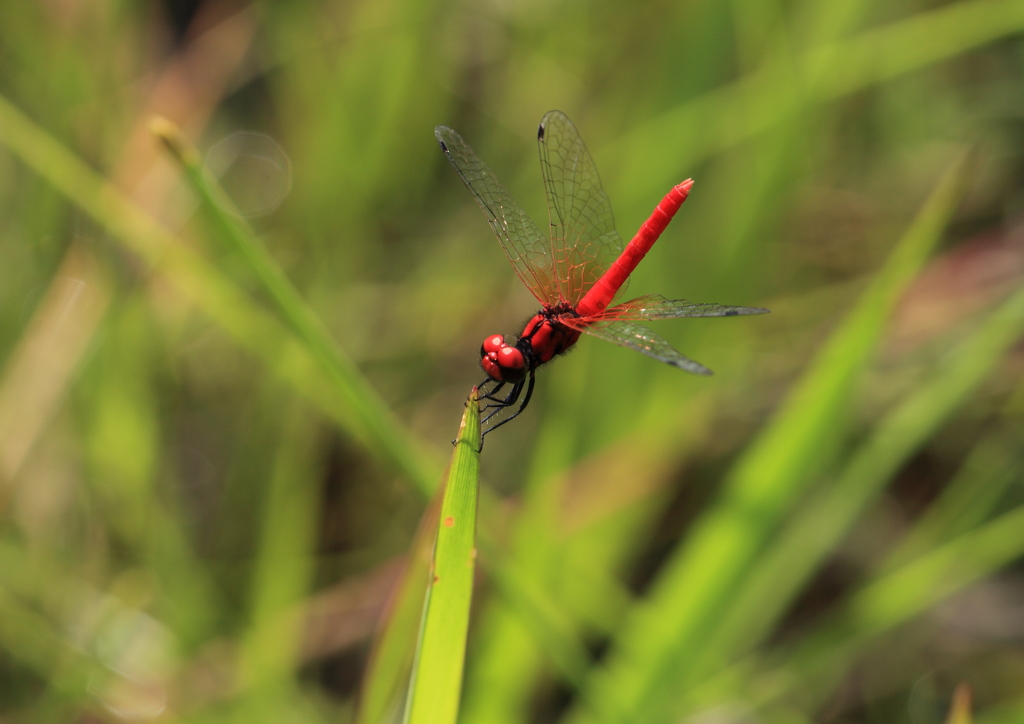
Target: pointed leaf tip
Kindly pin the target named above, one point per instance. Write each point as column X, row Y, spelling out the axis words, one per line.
column 169, row 134
column 960, row 709
column 437, row 670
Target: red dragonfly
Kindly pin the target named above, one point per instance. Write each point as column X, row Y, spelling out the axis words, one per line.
column 575, row 271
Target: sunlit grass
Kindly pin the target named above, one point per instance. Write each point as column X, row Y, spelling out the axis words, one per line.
column 217, row 434
column 436, row 683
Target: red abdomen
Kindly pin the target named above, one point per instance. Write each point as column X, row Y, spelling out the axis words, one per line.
column 601, row 294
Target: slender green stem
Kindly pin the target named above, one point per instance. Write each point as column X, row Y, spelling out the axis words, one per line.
column 370, row 410
column 363, row 413
column 440, row 657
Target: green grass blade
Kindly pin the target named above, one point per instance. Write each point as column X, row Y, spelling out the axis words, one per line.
column 900, row 596
column 937, row 575
column 387, row 672
column 34, row 595
column 364, row 414
column 812, row 667
column 652, row 153
column 28, row 638
column 992, row 467
column 783, row 570
column 343, row 373
column 545, row 619
column 568, row 652
column 1006, row 713
column 766, row 481
column 283, row 575
column 123, row 447
column 437, row 671
column 960, row 708
column 222, row 299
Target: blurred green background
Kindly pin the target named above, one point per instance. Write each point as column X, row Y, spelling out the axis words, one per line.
column 202, row 520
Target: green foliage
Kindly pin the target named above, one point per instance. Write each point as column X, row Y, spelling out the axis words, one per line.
column 217, row 433
column 441, row 651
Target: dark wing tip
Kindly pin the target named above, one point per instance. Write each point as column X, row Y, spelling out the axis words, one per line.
column 744, row 311
column 542, row 129
column 688, row 365
column 440, row 132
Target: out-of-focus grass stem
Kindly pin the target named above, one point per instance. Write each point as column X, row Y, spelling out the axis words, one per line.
column 370, row 409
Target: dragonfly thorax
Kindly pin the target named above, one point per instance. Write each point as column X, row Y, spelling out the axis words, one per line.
column 545, row 337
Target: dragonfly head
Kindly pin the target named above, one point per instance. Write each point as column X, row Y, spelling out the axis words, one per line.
column 502, row 362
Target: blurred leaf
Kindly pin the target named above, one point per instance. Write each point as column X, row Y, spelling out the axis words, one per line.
column 387, row 673
column 33, row 639
column 1007, row 713
column 960, row 709
column 651, row 153
column 992, row 467
column 379, row 425
column 785, row 566
column 164, row 497
column 896, row 598
column 123, row 449
column 809, row 669
column 365, row 416
column 772, row 474
column 29, row 639
column 377, row 690
column 941, row 572
column 283, row 574
column 436, row 682
column 37, row 371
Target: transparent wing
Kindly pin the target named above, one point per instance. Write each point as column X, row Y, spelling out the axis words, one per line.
column 584, row 242
column 642, row 339
column 655, row 306
column 524, row 245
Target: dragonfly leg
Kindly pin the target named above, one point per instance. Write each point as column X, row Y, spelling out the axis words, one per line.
column 509, row 401
column 500, row 405
column 526, row 401
column 482, row 395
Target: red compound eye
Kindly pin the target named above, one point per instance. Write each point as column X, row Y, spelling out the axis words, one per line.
column 501, row 362
column 492, row 344
column 512, row 364
column 491, row 368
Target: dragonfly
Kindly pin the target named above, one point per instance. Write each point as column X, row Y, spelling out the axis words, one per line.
column 576, row 271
